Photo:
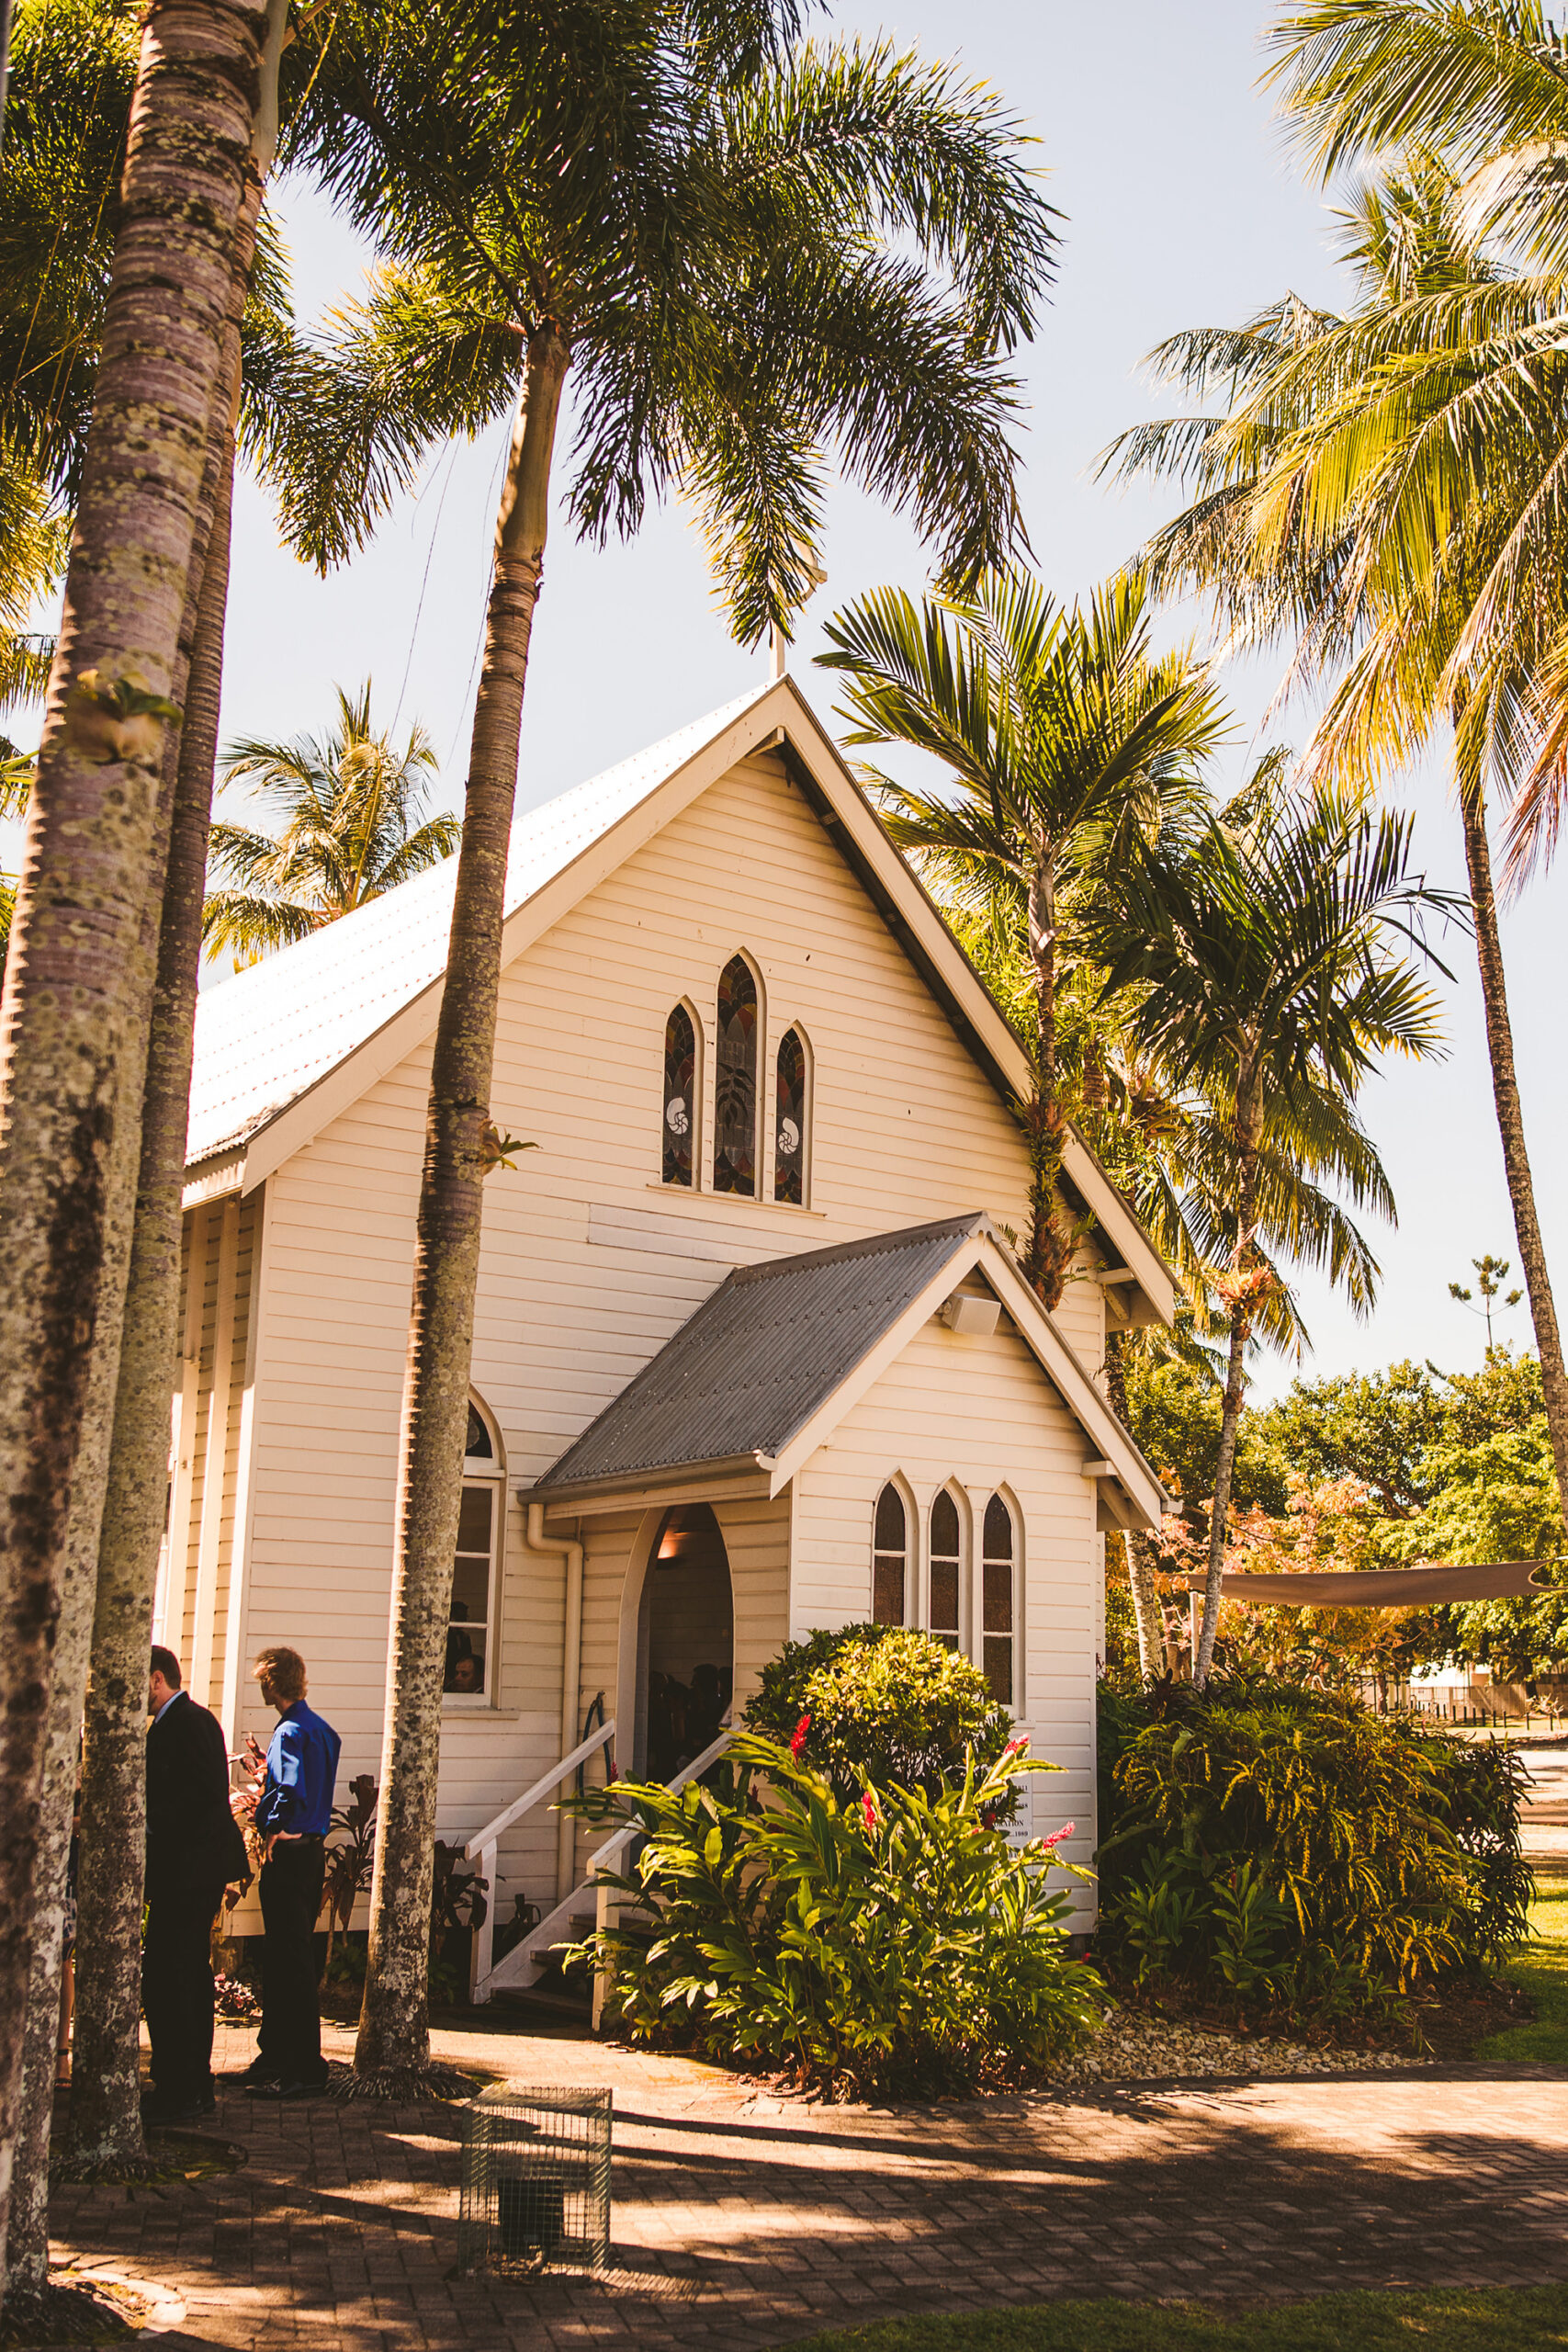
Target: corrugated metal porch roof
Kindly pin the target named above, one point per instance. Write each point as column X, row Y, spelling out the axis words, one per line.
column 760, row 1356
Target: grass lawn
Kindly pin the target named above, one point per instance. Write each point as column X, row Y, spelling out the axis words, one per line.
column 1510, row 2319
column 1542, row 1969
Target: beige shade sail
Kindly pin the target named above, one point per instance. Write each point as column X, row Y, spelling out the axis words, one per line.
column 1418, row 1588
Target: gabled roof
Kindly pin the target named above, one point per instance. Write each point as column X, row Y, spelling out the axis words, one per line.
column 284, row 1048
column 760, row 1375
column 267, row 1036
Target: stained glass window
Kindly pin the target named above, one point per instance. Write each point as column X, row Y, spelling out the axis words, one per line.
column 946, row 1559
column 680, row 1095
column 789, row 1134
column 996, row 1601
column 735, row 1092
column 889, row 1558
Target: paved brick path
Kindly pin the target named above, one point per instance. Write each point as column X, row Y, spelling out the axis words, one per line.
column 744, row 2222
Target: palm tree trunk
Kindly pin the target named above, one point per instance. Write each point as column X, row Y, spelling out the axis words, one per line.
column 27, row 2259
column 393, row 2055
column 1146, row 1612
column 1249, row 1136
column 68, row 1020
column 1047, row 1262
column 105, row 2120
column 1511, row 1128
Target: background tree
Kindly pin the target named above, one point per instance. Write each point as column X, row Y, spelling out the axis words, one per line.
column 741, row 262
column 350, row 805
column 1382, row 488
column 1491, row 1274
column 1064, row 736
column 1267, row 953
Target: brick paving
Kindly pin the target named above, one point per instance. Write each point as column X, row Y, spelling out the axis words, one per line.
column 743, row 2221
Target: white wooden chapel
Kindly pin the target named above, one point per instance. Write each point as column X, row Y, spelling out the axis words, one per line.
column 752, row 1354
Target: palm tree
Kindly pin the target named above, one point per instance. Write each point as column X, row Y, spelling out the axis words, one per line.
column 349, row 807
column 1383, row 488
column 740, row 260
column 1064, row 735
column 1168, row 1148
column 60, row 222
column 71, row 1067
column 1269, row 975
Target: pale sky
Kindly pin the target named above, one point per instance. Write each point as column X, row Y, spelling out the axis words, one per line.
column 1182, row 209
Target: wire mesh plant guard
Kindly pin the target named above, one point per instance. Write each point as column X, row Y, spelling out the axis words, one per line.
column 535, row 2180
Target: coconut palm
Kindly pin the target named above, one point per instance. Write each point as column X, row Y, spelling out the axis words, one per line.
column 1267, row 960
column 741, row 261
column 1380, row 489
column 1063, row 734
column 76, row 989
column 347, row 806
column 1168, row 1148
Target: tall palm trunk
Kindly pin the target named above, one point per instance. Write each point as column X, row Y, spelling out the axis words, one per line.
column 1147, row 1613
column 105, row 2120
column 1511, row 1127
column 1045, row 1130
column 69, row 1020
column 393, row 2050
column 1249, row 1131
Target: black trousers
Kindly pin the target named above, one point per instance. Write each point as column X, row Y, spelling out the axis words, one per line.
column 177, row 1988
column 291, row 1903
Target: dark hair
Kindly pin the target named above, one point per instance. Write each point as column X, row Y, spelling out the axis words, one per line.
column 284, row 1669
column 166, row 1663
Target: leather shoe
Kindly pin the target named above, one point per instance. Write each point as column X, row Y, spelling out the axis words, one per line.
column 263, row 2086
column 260, row 2070
column 299, row 2089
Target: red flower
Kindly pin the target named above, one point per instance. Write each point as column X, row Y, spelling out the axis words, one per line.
column 797, row 1745
column 1016, row 1746
column 989, row 1817
column 1058, row 1836
column 868, row 1806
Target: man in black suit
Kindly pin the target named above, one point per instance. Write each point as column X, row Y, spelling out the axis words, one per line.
column 195, row 1848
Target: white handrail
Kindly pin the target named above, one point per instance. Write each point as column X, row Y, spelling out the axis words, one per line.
column 552, row 1780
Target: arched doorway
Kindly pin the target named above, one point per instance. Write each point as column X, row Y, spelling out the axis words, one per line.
column 686, row 1642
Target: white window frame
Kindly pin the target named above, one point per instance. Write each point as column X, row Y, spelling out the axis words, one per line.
column 766, row 1079
column 490, row 1474
column 960, row 1501
column 901, row 1487
column 809, row 1114
column 1004, row 1493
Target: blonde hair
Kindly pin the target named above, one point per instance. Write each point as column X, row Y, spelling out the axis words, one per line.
column 284, row 1669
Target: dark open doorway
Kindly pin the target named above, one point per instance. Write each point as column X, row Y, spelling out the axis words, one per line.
column 686, row 1642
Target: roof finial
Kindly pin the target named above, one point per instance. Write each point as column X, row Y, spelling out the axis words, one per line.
column 778, row 652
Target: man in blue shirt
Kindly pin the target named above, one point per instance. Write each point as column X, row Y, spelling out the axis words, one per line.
column 293, row 1814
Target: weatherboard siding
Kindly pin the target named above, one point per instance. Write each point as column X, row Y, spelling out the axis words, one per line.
column 588, row 1264
column 977, row 1415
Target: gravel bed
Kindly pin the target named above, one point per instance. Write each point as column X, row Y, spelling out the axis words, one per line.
column 1131, row 2048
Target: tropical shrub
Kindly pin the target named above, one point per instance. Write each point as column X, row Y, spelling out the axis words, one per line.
column 889, row 1940
column 880, row 1704
column 1263, row 1843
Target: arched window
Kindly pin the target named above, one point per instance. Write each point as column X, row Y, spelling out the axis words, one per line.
column 890, row 1559
column 735, row 1093
column 946, row 1566
column 789, row 1132
column 469, row 1674
column 680, row 1095
column 997, row 1600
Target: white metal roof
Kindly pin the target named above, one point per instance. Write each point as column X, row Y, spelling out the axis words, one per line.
column 268, row 1035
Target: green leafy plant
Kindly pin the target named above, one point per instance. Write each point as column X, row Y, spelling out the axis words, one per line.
column 888, row 1939
column 352, row 1860
column 883, row 1705
column 1263, row 1842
